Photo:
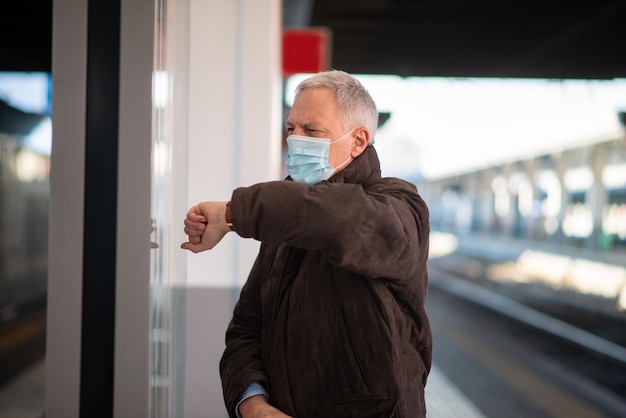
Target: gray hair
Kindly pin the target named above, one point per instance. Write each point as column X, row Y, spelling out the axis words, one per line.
column 356, row 104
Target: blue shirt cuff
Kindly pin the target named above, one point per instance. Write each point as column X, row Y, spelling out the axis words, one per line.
column 252, row 390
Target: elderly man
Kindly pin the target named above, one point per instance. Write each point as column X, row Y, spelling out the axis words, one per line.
column 331, row 321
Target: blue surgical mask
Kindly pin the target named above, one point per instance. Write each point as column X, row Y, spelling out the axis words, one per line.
column 307, row 158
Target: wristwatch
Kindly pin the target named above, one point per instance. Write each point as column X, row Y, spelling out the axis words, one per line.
column 228, row 219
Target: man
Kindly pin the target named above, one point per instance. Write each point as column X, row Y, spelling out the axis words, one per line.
column 331, row 321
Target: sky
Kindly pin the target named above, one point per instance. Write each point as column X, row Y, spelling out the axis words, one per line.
column 27, row 91
column 444, row 126
column 30, row 92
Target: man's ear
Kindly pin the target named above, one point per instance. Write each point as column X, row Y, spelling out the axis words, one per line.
column 361, row 141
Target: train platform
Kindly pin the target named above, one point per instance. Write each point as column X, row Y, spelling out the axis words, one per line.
column 483, row 368
column 24, row 397
column 502, row 247
column 583, row 277
column 473, row 375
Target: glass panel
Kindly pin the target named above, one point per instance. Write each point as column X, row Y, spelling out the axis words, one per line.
column 167, row 327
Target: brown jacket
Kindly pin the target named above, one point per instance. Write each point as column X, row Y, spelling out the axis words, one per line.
column 331, row 320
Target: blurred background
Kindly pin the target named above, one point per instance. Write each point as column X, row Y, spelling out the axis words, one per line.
column 509, row 118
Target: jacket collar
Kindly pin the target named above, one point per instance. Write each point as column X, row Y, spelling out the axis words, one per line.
column 364, row 169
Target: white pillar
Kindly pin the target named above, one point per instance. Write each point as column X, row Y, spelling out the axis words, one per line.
column 562, row 162
column 65, row 275
column 487, row 206
column 234, row 117
column 597, row 195
column 234, row 126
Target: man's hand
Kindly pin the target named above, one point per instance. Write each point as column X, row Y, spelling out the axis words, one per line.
column 257, row 407
column 205, row 225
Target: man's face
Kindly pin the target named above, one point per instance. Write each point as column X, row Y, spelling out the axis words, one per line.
column 315, row 113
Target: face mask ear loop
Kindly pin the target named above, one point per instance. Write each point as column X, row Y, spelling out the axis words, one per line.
column 340, row 166
column 342, row 136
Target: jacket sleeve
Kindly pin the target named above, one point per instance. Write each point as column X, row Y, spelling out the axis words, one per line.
column 378, row 233
column 242, row 363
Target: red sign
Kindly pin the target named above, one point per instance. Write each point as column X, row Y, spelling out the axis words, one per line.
column 306, row 50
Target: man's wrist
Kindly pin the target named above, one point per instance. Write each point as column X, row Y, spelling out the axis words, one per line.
column 251, row 391
column 251, row 403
